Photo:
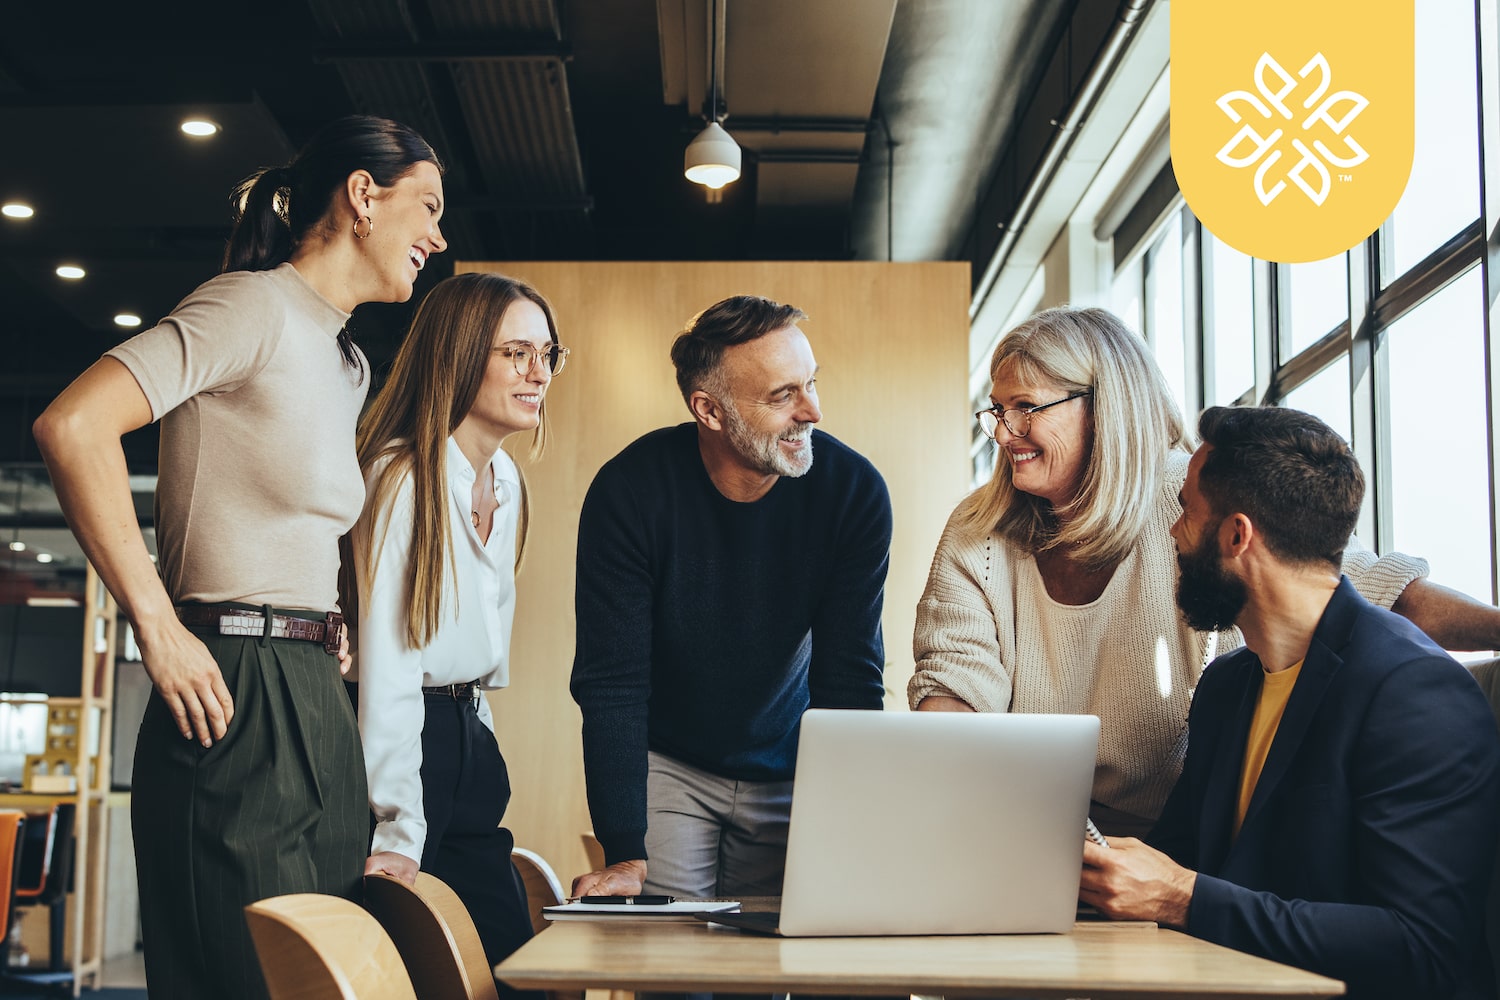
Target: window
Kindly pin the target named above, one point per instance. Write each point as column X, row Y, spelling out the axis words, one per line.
column 1442, row 194
column 1229, row 321
column 1227, row 328
column 1439, row 441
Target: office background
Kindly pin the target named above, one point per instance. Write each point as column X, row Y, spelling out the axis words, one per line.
column 1022, row 142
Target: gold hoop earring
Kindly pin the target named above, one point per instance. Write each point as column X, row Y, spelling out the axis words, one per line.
column 369, row 227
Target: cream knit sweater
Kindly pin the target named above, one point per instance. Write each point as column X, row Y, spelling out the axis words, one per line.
column 988, row 633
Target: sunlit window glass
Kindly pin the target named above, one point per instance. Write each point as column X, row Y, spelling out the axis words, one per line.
column 1317, row 296
column 1442, row 194
column 1440, row 467
column 1326, row 396
column 1230, row 313
column 1164, row 319
column 1125, row 295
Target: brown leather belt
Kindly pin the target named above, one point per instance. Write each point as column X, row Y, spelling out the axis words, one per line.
column 458, row 692
column 230, row 620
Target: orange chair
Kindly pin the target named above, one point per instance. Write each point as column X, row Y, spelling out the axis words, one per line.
column 12, row 827
column 45, row 873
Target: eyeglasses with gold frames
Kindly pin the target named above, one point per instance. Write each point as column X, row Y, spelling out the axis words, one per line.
column 523, row 356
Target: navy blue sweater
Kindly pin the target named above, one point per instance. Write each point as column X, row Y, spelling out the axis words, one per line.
column 706, row 626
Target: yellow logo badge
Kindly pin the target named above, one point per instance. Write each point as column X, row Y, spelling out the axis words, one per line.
column 1292, row 121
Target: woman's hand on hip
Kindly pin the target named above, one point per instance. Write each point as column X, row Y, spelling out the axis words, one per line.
column 188, row 680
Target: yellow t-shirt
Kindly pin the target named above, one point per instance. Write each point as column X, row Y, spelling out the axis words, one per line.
column 1275, row 689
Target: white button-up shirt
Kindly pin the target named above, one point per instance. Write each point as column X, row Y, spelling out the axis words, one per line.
column 472, row 642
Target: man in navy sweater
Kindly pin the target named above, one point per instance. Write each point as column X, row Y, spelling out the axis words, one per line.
column 1338, row 805
column 726, row 583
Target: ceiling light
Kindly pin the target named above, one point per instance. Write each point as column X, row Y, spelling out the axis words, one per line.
column 129, row 320
column 713, row 158
column 17, row 210
column 198, row 128
column 44, row 557
column 70, row 271
column 18, row 546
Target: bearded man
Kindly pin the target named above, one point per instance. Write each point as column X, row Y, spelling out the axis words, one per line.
column 1338, row 804
column 726, row 583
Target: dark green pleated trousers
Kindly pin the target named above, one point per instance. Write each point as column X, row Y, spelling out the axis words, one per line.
column 277, row 806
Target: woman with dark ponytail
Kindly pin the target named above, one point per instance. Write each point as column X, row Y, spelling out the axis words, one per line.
column 249, row 781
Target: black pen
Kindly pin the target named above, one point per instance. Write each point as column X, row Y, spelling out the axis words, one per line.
column 629, row 900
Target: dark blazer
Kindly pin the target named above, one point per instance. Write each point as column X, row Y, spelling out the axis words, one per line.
column 1367, row 849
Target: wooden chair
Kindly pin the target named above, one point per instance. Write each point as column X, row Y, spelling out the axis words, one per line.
column 435, row 936
column 317, row 947
column 544, row 889
column 542, row 885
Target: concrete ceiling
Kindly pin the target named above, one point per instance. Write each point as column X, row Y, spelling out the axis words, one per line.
column 563, row 123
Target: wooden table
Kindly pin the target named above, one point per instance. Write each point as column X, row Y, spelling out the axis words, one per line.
column 1098, row 960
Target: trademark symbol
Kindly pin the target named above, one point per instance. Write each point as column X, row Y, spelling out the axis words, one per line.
column 1346, row 178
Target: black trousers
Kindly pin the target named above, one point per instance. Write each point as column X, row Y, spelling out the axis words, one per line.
column 465, row 789
column 277, row 806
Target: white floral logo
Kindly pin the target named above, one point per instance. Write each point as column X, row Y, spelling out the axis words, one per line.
column 1310, row 161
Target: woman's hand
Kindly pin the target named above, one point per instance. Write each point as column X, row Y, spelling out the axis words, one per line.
column 392, row 864
column 623, row 878
column 188, row 680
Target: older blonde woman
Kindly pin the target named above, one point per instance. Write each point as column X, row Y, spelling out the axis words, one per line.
column 1053, row 586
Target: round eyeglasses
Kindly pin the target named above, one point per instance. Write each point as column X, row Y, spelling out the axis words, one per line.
column 1018, row 420
column 524, row 356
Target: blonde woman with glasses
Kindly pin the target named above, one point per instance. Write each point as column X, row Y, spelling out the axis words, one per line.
column 434, row 557
column 1054, row 584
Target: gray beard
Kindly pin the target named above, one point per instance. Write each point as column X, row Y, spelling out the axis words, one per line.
column 763, row 451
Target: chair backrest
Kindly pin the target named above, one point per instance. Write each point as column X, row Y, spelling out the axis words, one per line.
column 435, row 936
column 1487, row 673
column 46, row 866
column 12, row 831
column 594, row 850
column 542, row 886
column 317, row 947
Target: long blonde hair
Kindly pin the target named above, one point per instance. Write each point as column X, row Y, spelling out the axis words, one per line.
column 433, row 383
column 1136, row 424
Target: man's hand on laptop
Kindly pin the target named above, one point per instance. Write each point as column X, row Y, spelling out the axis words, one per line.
column 623, row 878
column 1130, row 881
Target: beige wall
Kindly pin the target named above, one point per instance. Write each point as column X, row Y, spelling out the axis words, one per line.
column 892, row 343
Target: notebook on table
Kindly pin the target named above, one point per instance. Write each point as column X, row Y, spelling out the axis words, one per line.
column 933, row 823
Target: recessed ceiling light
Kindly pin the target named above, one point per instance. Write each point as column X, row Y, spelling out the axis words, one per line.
column 127, row 320
column 199, row 127
column 44, row 557
column 70, row 271
column 17, row 210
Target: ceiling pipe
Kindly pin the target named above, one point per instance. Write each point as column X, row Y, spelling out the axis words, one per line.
column 1129, row 17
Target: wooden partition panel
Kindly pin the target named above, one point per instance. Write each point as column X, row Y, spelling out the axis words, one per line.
column 892, row 344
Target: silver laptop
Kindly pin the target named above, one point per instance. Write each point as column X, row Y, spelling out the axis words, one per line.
column 934, row 823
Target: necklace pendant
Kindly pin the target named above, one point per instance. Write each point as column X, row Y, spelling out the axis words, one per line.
column 474, row 516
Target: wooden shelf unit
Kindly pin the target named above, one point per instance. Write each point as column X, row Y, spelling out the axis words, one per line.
column 87, row 757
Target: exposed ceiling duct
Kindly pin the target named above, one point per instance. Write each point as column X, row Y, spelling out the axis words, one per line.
column 955, row 72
